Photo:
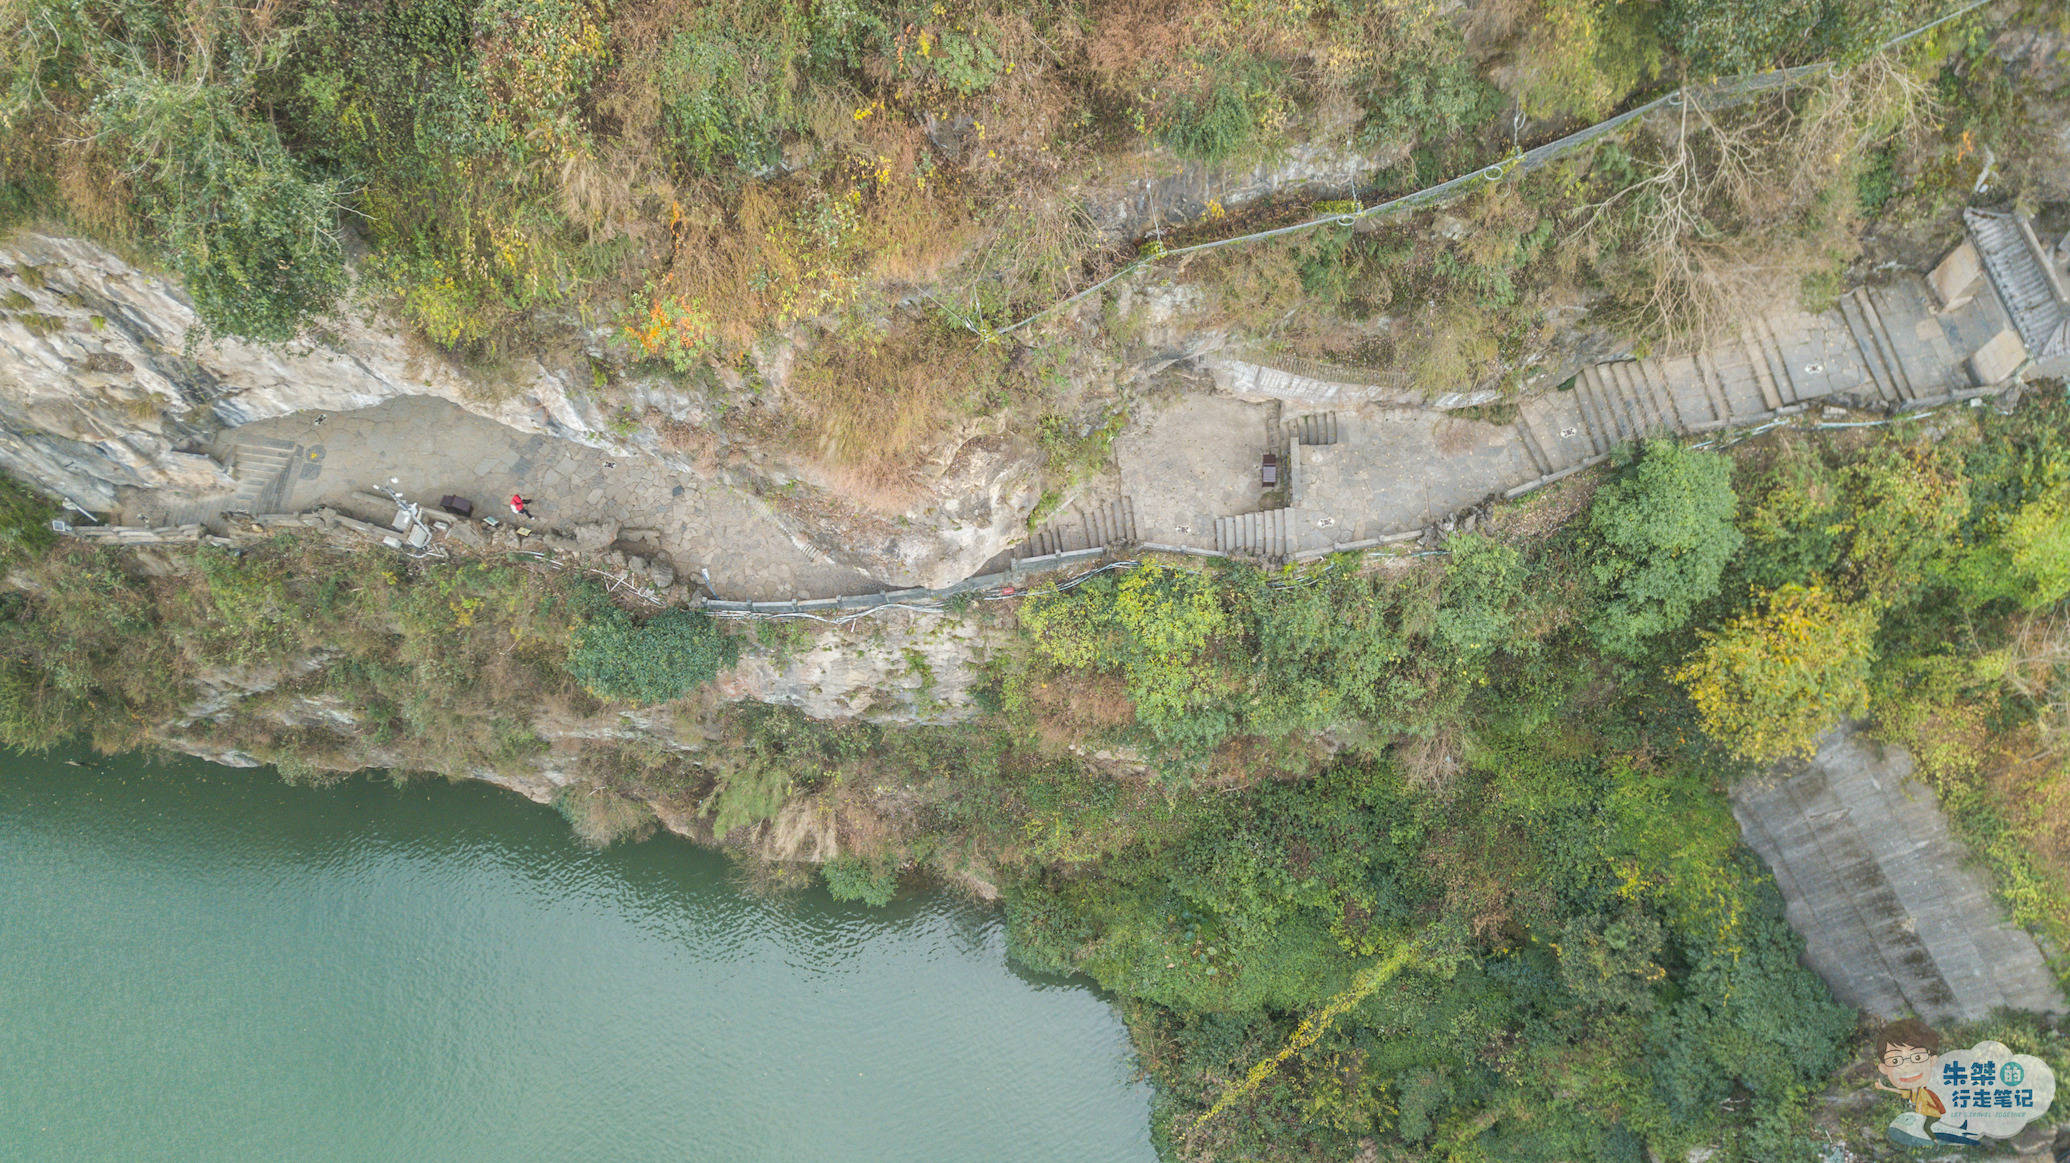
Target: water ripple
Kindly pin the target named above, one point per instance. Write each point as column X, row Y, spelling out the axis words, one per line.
column 207, row 963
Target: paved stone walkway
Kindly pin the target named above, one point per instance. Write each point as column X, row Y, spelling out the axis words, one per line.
column 431, row 448
column 1189, row 477
column 1193, row 472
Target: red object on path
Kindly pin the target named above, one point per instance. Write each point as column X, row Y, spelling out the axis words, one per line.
column 517, row 505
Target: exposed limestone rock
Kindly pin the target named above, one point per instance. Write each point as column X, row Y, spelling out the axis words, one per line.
column 104, row 376
column 1185, row 191
column 593, row 536
column 896, row 668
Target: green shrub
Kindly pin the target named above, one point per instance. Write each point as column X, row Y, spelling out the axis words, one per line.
column 25, row 518
column 34, row 715
column 665, row 657
column 873, row 882
column 251, row 232
column 1210, row 126
column 1484, row 580
column 1583, row 56
column 1662, row 535
column 1161, row 629
column 1721, row 37
column 731, row 95
column 2023, row 554
column 535, row 61
column 748, row 794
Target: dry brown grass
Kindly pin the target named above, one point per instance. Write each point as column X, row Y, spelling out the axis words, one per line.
column 611, row 196
column 1453, row 349
column 1072, row 707
column 868, row 407
column 602, row 817
column 700, row 444
column 1748, row 198
column 96, row 194
column 860, row 829
column 1432, row 761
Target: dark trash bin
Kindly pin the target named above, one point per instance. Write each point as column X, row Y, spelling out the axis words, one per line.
column 457, row 506
column 1269, row 473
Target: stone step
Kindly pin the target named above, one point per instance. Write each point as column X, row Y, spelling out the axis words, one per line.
column 1313, row 428
column 1266, row 534
column 1558, row 430
column 1584, row 417
column 1636, row 404
column 1702, row 371
column 1595, row 406
column 1089, row 526
column 1654, row 418
column 1869, row 346
column 259, row 465
column 1759, row 374
column 2016, row 272
column 1540, row 462
column 1872, row 306
column 1623, row 409
column 1658, row 404
column 1777, row 387
column 1733, row 380
column 1652, row 375
column 1611, row 409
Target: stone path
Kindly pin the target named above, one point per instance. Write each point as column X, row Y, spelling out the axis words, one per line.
column 1892, row 915
column 1193, row 472
column 431, row 448
column 1351, row 476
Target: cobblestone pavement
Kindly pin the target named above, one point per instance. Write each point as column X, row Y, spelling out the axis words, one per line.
column 430, row 448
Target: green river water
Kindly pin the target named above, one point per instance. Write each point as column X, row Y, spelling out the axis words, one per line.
column 204, row 963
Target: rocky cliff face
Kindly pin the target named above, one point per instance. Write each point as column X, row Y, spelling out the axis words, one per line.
column 899, row 669
column 106, row 380
column 107, row 383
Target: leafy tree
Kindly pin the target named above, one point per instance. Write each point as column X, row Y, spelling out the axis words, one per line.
column 1326, row 653
column 1610, row 962
column 1906, row 505
column 2023, row 554
column 1769, row 682
column 1484, row 580
column 1663, row 533
column 666, row 657
column 1795, row 519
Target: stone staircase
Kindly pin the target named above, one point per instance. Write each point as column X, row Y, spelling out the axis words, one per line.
column 1087, row 526
column 1282, row 434
column 261, row 468
column 1272, row 533
column 1313, row 428
column 2032, row 293
column 1739, row 382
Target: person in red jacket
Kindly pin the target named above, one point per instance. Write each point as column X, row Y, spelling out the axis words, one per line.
column 519, row 506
